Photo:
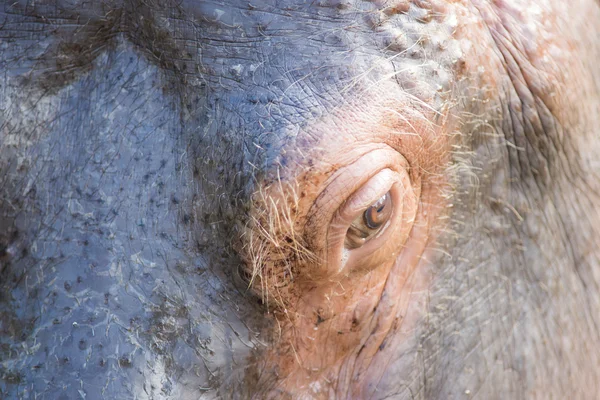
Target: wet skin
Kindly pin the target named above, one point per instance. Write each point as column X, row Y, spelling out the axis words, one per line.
column 267, row 199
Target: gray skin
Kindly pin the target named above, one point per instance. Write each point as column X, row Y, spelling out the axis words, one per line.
column 133, row 136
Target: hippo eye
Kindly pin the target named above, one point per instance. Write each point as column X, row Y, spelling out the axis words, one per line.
column 370, row 222
column 364, row 215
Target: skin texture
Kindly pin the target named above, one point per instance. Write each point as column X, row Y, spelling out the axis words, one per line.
column 176, row 180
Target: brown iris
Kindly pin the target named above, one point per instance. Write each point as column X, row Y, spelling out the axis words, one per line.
column 370, row 222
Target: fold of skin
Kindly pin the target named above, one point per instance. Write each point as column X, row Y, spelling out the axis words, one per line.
column 171, row 175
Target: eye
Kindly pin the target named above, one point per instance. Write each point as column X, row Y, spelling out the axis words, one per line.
column 363, row 216
column 371, row 222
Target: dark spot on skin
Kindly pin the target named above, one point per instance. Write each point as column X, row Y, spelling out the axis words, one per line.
column 106, row 296
column 12, row 377
column 64, row 361
column 86, row 242
column 82, row 345
column 186, row 219
column 320, row 319
column 102, row 362
column 125, row 362
column 91, row 319
column 355, row 324
column 79, row 279
column 67, row 286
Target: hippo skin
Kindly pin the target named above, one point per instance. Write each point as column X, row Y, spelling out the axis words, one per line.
column 282, row 199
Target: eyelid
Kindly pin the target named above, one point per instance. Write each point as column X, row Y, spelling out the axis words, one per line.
column 373, row 190
column 348, row 180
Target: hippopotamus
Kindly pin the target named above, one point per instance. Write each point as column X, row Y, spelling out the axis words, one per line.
column 281, row 199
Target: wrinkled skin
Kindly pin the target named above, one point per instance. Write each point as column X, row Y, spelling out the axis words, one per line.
column 173, row 175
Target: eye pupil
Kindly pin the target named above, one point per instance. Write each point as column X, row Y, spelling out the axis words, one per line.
column 378, row 213
column 367, row 225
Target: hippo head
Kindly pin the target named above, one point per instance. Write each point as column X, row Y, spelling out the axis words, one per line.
column 289, row 199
